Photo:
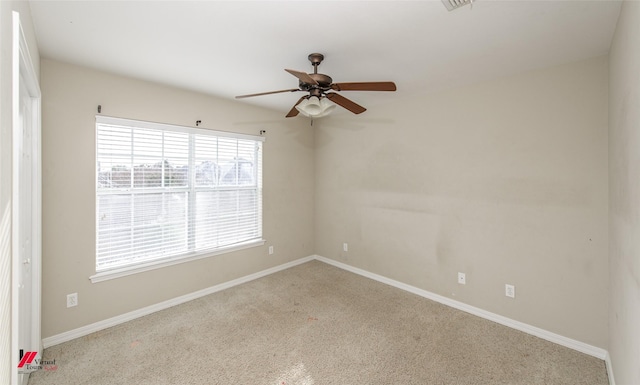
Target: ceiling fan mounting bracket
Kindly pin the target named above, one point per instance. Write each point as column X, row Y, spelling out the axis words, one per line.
column 316, row 59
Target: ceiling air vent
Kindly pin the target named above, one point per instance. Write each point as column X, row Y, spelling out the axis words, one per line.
column 454, row 4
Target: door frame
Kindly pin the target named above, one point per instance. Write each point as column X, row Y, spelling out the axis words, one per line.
column 23, row 71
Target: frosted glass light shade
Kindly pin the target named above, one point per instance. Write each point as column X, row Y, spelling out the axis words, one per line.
column 314, row 107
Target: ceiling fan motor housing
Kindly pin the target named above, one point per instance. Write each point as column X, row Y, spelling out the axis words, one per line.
column 324, row 82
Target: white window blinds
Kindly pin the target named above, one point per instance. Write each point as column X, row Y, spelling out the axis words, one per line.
column 166, row 192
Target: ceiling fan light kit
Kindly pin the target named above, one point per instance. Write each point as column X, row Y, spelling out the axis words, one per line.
column 314, row 107
column 320, row 102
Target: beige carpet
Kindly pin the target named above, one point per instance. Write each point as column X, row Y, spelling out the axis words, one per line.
column 315, row 324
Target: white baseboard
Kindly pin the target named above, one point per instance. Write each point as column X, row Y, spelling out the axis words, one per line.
column 523, row 327
column 541, row 333
column 104, row 324
column 607, row 362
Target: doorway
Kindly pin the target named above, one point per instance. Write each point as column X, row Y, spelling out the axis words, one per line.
column 26, row 220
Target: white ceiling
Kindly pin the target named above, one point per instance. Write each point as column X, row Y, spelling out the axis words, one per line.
column 228, row 48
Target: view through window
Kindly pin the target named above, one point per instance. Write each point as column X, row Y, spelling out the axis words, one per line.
column 166, row 192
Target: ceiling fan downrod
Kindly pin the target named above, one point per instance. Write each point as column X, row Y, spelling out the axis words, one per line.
column 315, row 59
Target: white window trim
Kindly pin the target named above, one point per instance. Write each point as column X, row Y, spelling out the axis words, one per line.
column 157, row 264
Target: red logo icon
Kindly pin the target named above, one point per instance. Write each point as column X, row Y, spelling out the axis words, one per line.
column 27, row 358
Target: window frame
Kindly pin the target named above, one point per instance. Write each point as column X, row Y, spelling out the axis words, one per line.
column 191, row 255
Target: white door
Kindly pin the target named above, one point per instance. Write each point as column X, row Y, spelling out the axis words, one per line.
column 26, row 209
column 25, row 258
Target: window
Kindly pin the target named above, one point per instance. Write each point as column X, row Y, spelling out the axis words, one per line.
column 166, row 193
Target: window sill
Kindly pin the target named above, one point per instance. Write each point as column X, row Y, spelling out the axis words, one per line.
column 130, row 270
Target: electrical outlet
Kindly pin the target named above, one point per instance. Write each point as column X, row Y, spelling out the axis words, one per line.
column 72, row 300
column 345, row 247
column 462, row 279
column 270, row 250
column 510, row 291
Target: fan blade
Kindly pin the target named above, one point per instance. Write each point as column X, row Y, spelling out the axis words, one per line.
column 267, row 93
column 294, row 111
column 364, row 86
column 346, row 103
column 304, row 77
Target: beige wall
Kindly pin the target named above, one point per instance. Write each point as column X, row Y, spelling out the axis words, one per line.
column 624, row 196
column 6, row 155
column 70, row 98
column 505, row 181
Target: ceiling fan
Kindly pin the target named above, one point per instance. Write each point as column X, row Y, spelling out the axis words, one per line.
column 316, row 104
